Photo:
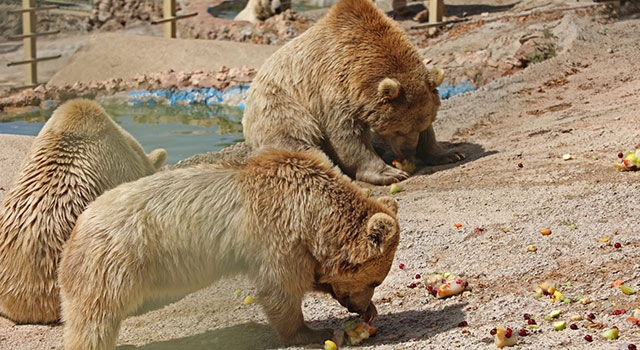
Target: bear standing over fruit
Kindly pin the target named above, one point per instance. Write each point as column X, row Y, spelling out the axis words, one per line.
column 290, row 221
column 353, row 74
column 79, row 153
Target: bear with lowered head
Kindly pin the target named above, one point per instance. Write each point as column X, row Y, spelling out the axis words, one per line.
column 351, row 77
column 290, row 221
column 79, row 153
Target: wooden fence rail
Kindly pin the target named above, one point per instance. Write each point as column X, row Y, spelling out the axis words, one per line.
column 169, row 18
column 28, row 37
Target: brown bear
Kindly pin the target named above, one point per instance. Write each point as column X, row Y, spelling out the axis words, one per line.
column 79, row 153
column 353, row 72
column 289, row 220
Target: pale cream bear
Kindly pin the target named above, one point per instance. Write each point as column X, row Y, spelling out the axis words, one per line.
column 79, row 153
column 290, row 221
column 259, row 10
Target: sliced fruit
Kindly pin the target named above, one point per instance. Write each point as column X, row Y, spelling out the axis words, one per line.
column 559, row 325
column 357, row 330
column 611, row 333
column 395, row 188
column 626, row 290
column 505, row 337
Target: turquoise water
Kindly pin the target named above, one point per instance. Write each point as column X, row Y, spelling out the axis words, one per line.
column 182, row 130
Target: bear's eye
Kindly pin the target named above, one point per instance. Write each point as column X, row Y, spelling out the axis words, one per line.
column 374, row 284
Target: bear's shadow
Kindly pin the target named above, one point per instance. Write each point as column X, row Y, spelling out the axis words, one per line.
column 472, row 151
column 392, row 328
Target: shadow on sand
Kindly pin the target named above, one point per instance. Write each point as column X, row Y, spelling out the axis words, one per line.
column 392, row 329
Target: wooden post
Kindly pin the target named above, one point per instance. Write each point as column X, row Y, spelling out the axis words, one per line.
column 29, row 28
column 169, row 11
column 436, row 11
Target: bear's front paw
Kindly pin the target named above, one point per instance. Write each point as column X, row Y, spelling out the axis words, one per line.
column 448, row 157
column 385, row 176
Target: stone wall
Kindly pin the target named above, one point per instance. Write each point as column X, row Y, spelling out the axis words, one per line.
column 117, row 14
column 59, row 19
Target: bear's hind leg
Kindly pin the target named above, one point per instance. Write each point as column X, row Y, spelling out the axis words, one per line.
column 88, row 330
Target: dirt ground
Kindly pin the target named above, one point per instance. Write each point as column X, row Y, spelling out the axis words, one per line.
column 584, row 102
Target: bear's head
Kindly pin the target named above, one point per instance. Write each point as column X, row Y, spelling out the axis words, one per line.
column 362, row 261
column 406, row 106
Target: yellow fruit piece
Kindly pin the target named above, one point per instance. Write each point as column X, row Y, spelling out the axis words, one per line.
column 248, row 300
column 604, row 239
column 611, row 333
column 330, row 345
column 626, row 290
column 556, row 296
column 395, row 188
column 545, row 232
column 501, row 339
column 531, row 248
column 237, row 292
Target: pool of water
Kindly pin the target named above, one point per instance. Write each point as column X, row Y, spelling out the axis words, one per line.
column 182, row 130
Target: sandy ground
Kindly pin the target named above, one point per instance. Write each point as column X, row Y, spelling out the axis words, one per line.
column 584, row 102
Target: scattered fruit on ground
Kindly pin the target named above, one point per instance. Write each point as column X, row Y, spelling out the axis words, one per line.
column 545, row 232
column 630, row 161
column 405, row 165
column 330, row 345
column 626, row 290
column 617, row 283
column 559, row 325
column 611, row 333
column 444, row 285
column 357, row 330
column 395, row 188
column 248, row 300
column 505, row 337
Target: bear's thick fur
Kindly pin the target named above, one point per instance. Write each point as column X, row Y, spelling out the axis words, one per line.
column 288, row 220
column 79, row 153
column 352, row 72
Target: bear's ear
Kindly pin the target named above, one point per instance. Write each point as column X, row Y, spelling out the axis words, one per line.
column 157, row 157
column 382, row 232
column 435, row 77
column 388, row 89
column 390, row 203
